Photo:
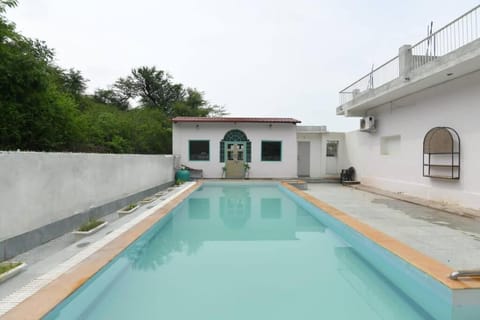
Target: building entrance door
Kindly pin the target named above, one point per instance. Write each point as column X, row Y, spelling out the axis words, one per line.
column 332, row 158
column 303, row 159
column 235, row 160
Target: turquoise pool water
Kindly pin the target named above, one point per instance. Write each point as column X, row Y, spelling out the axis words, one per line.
column 236, row 251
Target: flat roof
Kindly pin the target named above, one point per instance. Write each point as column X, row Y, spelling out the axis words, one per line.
column 235, row 119
column 312, row 129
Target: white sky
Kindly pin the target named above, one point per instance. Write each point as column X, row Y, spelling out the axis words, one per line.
column 255, row 57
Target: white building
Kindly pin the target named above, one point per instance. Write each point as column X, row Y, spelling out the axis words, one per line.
column 434, row 84
column 268, row 145
column 419, row 119
column 273, row 147
column 321, row 154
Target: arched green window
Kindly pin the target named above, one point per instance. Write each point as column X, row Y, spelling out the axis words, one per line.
column 237, row 136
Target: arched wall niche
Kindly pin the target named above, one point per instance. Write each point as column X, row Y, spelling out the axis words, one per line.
column 441, row 153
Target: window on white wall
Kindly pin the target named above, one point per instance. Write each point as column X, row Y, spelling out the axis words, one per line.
column 390, row 145
column 332, row 148
column 271, row 151
column 199, row 150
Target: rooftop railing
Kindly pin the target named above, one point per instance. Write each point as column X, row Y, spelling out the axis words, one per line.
column 452, row 36
column 377, row 77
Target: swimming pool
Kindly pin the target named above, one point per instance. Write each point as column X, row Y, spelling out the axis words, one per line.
column 255, row 251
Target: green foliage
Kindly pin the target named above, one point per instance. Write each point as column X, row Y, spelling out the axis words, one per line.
column 130, row 207
column 7, row 266
column 90, row 224
column 36, row 113
column 112, row 97
column 4, row 4
column 44, row 107
column 108, row 129
column 72, row 82
column 155, row 89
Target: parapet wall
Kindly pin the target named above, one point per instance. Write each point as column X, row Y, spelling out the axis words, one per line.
column 43, row 195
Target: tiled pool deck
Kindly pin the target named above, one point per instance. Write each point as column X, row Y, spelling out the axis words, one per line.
column 449, row 239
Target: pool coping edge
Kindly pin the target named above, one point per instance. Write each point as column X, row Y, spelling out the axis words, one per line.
column 36, row 304
column 424, row 263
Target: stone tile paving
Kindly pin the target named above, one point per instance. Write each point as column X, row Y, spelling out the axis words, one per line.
column 451, row 239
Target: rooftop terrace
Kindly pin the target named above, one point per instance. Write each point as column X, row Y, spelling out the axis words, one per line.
column 448, row 53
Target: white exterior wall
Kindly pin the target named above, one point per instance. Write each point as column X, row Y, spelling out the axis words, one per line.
column 341, row 160
column 318, row 152
column 316, row 159
column 256, row 132
column 453, row 104
column 38, row 188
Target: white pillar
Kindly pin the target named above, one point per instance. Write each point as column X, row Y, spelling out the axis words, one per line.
column 405, row 61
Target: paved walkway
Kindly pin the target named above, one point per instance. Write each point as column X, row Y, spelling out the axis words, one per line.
column 451, row 239
column 44, row 258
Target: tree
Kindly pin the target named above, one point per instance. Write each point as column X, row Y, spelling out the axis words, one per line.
column 194, row 99
column 43, row 107
column 153, row 87
column 35, row 113
column 141, row 130
column 217, row 111
column 73, row 82
column 112, row 97
column 4, row 4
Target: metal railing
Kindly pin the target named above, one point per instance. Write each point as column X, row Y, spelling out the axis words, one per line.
column 377, row 77
column 452, row 36
column 464, row 273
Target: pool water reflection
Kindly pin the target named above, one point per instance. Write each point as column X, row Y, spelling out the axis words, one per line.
column 239, row 252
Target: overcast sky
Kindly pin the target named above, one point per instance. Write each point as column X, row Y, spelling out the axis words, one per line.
column 255, row 57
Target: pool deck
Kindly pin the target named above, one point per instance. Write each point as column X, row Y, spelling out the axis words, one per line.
column 451, row 239
column 434, row 236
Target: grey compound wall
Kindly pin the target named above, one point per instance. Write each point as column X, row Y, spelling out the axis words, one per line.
column 44, row 195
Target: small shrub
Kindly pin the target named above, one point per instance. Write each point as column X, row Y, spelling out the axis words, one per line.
column 4, row 267
column 90, row 224
column 130, row 206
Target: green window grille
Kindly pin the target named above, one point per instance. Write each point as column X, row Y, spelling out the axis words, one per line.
column 235, row 135
column 222, row 151
column 238, row 136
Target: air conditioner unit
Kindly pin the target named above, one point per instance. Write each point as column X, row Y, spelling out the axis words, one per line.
column 367, row 124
